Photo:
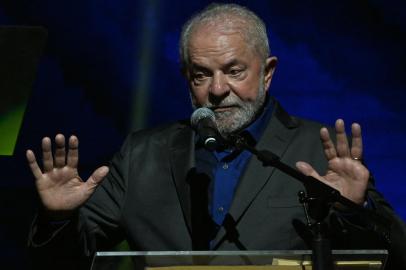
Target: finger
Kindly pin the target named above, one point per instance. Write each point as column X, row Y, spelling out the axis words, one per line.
column 32, row 162
column 97, row 177
column 73, row 152
column 60, row 155
column 342, row 141
column 356, row 145
column 307, row 169
column 47, row 159
column 328, row 145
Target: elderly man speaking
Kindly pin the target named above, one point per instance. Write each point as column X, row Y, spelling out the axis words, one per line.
column 165, row 191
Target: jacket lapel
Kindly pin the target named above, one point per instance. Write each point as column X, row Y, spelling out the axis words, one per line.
column 276, row 138
column 182, row 160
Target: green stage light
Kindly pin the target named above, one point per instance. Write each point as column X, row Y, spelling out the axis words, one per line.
column 20, row 49
column 10, row 123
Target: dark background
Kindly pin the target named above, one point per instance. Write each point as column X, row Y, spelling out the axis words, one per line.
column 112, row 66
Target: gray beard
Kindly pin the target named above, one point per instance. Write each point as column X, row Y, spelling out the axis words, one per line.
column 240, row 116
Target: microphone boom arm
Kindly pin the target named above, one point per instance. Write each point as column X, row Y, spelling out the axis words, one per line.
column 319, row 199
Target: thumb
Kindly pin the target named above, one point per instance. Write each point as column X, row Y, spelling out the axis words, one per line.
column 97, row 177
column 307, row 169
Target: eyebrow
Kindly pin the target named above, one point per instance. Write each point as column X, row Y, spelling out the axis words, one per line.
column 227, row 65
column 198, row 67
column 232, row 62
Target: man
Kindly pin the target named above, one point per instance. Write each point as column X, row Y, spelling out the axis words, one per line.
column 164, row 191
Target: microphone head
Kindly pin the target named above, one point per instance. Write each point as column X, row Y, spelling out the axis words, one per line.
column 203, row 121
column 200, row 114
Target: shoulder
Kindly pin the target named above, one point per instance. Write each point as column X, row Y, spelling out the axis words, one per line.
column 159, row 136
column 303, row 125
column 308, row 125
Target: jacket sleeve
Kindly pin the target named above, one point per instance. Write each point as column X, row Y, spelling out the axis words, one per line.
column 378, row 227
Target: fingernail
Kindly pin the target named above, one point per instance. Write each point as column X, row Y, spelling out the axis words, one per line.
column 104, row 170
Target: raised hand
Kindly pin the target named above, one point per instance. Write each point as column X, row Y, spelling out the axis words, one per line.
column 345, row 172
column 59, row 185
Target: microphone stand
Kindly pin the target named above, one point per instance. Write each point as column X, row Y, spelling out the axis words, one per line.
column 317, row 203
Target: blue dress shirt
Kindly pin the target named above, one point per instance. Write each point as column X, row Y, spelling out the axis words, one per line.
column 225, row 168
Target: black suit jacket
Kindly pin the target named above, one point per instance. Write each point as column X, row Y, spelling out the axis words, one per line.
column 146, row 198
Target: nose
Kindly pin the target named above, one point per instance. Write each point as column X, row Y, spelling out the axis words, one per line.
column 219, row 86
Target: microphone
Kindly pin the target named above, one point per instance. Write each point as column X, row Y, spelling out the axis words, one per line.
column 202, row 121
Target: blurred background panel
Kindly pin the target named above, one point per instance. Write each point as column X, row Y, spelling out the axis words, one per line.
column 20, row 49
column 112, row 66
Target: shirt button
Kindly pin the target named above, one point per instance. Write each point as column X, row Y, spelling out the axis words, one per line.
column 225, row 166
column 220, row 209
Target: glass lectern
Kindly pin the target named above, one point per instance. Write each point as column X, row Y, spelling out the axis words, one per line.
column 238, row 260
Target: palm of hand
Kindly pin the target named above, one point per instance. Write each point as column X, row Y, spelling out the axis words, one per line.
column 59, row 185
column 345, row 172
column 61, row 189
column 349, row 177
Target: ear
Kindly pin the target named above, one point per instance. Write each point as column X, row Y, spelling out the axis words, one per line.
column 270, row 66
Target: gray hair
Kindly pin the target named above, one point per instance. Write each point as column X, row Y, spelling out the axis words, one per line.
column 226, row 14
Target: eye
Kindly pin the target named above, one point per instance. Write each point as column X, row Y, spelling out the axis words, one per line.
column 199, row 76
column 236, row 71
column 201, row 73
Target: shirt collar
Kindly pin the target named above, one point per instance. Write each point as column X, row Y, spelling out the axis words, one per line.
column 257, row 127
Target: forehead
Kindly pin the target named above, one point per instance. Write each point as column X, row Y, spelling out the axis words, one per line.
column 208, row 41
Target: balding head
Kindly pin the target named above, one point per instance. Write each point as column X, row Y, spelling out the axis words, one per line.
column 226, row 18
